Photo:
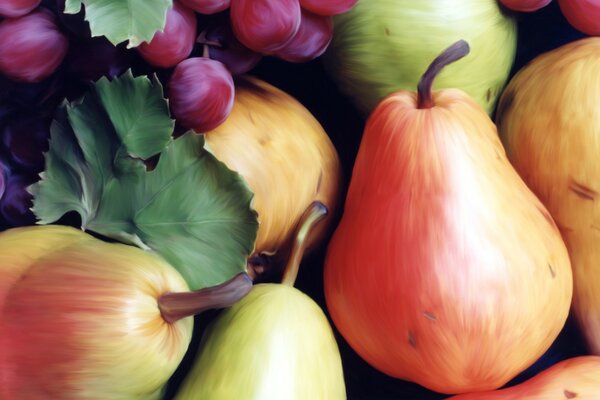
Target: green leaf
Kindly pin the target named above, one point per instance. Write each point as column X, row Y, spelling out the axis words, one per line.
column 135, row 21
column 191, row 209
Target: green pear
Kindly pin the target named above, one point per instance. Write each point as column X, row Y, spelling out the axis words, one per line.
column 276, row 343
column 381, row 46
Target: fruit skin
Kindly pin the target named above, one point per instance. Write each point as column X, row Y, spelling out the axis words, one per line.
column 31, row 47
column 548, row 120
column 286, row 157
column 574, row 378
column 79, row 318
column 525, row 5
column 311, row 40
column 201, row 93
column 584, row 15
column 175, row 43
column 329, row 7
column 17, row 8
column 383, row 46
column 207, row 6
column 445, row 269
column 276, row 343
column 265, row 25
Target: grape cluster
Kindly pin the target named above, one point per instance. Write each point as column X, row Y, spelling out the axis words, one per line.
column 236, row 37
column 47, row 56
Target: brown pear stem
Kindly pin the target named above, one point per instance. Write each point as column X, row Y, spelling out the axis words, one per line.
column 315, row 213
column 453, row 53
column 175, row 306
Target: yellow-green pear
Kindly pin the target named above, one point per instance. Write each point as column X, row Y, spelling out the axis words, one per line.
column 276, row 343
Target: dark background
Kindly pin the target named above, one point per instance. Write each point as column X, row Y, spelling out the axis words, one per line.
column 538, row 32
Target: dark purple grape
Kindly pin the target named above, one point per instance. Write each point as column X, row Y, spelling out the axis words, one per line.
column 200, row 93
column 16, row 203
column 311, row 40
column 75, row 23
column 3, row 177
column 26, row 140
column 223, row 46
column 92, row 59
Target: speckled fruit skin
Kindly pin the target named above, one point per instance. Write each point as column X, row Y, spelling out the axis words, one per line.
column 276, row 343
column 575, row 378
column 549, row 122
column 445, row 269
column 79, row 318
column 381, row 46
column 286, row 157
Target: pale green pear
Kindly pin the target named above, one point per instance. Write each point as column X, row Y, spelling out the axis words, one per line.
column 276, row 343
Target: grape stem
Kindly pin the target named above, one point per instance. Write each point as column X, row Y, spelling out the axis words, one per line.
column 175, row 306
column 207, row 43
column 453, row 53
column 315, row 213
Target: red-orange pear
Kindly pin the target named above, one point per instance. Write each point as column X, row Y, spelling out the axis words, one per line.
column 575, row 378
column 445, row 269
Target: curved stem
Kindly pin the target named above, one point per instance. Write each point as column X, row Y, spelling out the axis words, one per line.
column 453, row 53
column 315, row 212
column 201, row 39
column 175, row 306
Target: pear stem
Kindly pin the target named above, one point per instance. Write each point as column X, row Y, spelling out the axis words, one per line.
column 453, row 53
column 175, row 306
column 315, row 213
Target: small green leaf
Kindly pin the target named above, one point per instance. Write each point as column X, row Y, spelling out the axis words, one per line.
column 135, row 21
column 191, row 209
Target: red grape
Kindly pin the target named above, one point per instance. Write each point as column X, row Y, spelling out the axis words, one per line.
column 525, row 5
column 201, row 93
column 265, row 25
column 176, row 42
column 207, row 7
column 17, row 8
column 224, row 47
column 312, row 39
column 31, row 47
column 328, row 7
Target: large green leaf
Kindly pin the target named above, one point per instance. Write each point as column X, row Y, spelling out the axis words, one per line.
column 191, row 209
column 135, row 21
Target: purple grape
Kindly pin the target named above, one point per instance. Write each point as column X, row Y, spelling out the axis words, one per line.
column 265, row 25
column 207, row 7
column 201, row 93
column 94, row 58
column 223, row 46
column 26, row 140
column 311, row 40
column 3, row 177
column 16, row 203
column 17, row 8
column 175, row 43
column 32, row 46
